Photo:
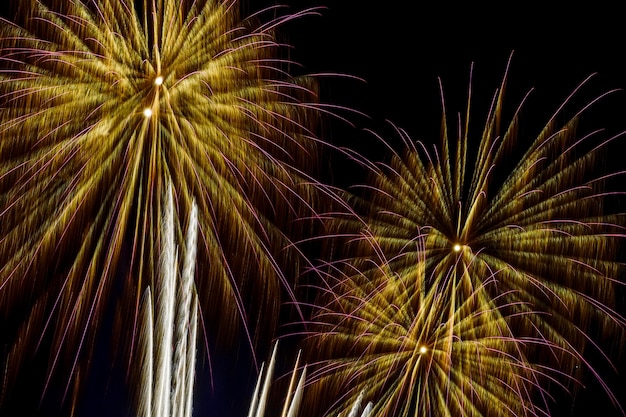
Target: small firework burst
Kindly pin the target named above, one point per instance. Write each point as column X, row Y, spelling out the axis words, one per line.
column 416, row 349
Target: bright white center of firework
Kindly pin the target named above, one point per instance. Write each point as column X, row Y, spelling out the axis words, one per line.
column 158, row 80
column 456, row 247
column 423, row 349
column 147, row 112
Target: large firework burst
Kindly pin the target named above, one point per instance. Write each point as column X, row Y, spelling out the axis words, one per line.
column 101, row 103
column 526, row 240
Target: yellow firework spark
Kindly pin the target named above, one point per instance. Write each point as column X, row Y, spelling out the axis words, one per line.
column 101, row 103
column 532, row 248
column 413, row 350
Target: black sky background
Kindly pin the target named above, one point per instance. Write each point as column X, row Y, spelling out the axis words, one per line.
column 399, row 49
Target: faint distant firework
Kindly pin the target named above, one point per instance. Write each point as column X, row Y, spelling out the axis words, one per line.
column 503, row 268
column 101, row 103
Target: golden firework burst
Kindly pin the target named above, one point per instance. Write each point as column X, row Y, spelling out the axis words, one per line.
column 527, row 241
column 101, row 104
column 414, row 348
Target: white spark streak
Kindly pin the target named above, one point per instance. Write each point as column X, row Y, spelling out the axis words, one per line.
column 168, row 368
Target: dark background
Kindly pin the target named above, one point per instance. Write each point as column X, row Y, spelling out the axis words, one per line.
column 399, row 49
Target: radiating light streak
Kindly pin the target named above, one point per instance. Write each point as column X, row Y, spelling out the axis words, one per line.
column 167, row 348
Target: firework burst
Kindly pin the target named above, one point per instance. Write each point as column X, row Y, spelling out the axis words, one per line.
column 518, row 266
column 101, row 104
column 412, row 348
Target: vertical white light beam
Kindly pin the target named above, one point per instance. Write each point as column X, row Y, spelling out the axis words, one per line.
column 184, row 295
column 266, row 384
column 146, row 354
column 191, row 356
column 357, row 405
column 292, row 382
column 165, row 310
column 190, row 325
column 255, row 395
column 168, row 366
column 368, row 409
column 297, row 397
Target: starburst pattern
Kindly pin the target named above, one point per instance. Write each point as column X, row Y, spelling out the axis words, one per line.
column 103, row 102
column 416, row 351
column 514, row 281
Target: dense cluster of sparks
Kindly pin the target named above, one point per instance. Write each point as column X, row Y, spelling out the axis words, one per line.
column 469, row 287
column 463, row 289
column 416, row 352
column 101, row 104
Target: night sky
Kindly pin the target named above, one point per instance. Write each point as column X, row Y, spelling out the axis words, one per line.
column 392, row 55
